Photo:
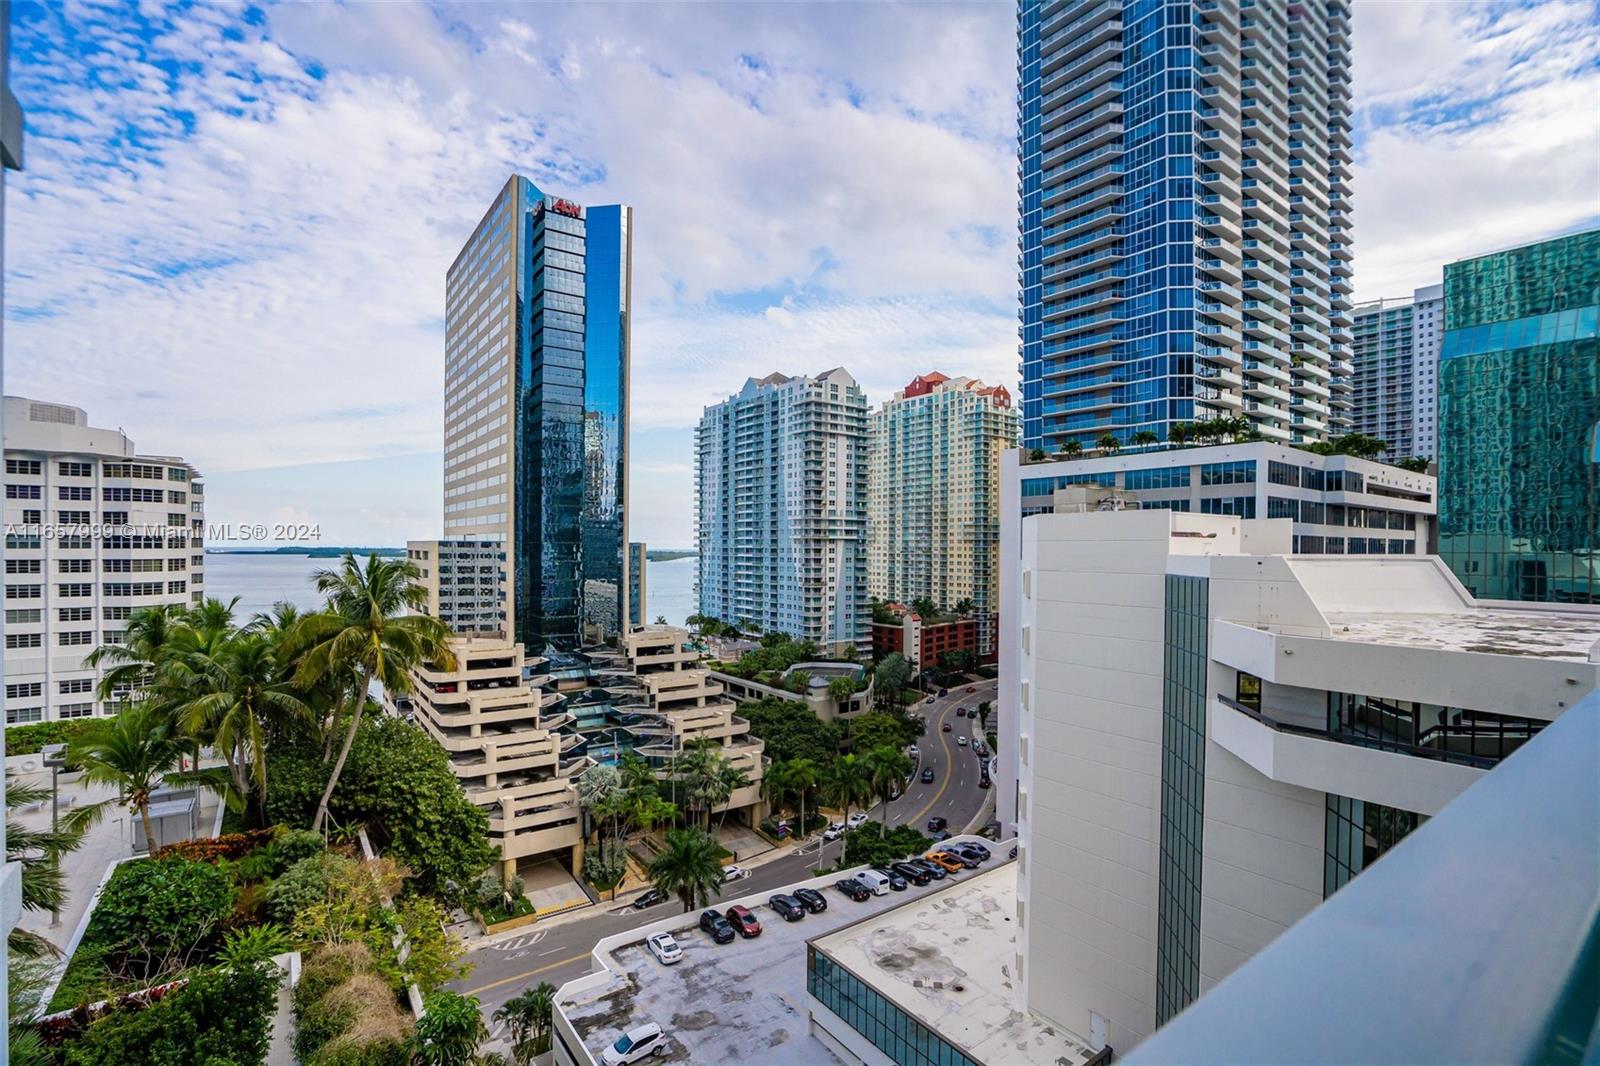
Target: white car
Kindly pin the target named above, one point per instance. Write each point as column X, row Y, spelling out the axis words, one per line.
column 857, row 820
column 635, row 1045
column 734, row 873
column 961, row 742
column 914, row 751
column 834, row 831
column 665, row 949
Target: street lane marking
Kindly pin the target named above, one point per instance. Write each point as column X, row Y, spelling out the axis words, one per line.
column 524, row 976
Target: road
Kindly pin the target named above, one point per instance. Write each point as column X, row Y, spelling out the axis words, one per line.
column 559, row 952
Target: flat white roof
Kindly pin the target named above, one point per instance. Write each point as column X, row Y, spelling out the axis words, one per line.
column 946, row 958
column 1538, row 634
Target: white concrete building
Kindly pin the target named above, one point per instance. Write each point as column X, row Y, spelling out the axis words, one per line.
column 781, row 508
column 1397, row 371
column 491, row 715
column 933, row 492
column 94, row 531
column 1214, row 734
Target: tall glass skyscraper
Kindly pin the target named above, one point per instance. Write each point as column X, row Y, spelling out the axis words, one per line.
column 1184, row 177
column 1519, row 422
column 536, row 408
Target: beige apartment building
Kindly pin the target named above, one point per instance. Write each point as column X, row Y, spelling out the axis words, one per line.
column 689, row 705
column 94, row 532
column 491, row 713
column 933, row 495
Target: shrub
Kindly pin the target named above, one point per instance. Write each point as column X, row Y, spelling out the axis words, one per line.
column 294, row 845
column 31, row 739
column 345, row 1014
column 398, row 783
column 303, row 884
column 792, row 731
column 217, row 1017
column 865, row 846
column 212, row 849
column 154, row 918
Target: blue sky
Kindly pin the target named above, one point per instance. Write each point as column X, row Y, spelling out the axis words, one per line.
column 232, row 234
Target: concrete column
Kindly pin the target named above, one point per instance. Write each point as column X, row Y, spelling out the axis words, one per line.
column 577, row 860
column 508, row 870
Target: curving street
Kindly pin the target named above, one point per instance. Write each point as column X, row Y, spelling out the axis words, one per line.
column 558, row 950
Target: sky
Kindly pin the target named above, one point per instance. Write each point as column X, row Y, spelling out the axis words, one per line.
column 232, row 233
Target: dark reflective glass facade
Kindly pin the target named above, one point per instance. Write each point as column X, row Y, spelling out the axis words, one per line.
column 891, row 1030
column 1183, row 786
column 1519, row 422
column 1357, row 834
column 570, row 427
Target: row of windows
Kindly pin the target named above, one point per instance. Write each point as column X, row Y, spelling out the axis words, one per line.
column 891, row 1030
column 25, row 715
column 1183, row 717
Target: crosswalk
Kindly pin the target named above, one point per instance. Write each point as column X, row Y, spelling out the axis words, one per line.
column 520, row 946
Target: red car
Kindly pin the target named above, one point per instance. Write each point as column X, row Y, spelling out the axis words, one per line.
column 945, row 728
column 972, row 688
column 743, row 921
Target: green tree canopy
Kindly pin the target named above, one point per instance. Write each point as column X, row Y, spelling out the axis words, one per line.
column 791, row 731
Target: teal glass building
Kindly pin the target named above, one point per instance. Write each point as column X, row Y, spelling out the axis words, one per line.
column 1519, row 422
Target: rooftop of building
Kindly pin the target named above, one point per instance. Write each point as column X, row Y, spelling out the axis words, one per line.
column 737, row 1002
column 1573, row 637
column 945, row 957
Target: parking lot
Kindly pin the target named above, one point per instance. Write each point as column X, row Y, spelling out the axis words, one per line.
column 743, row 1001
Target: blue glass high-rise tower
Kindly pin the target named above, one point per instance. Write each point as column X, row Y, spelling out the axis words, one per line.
column 536, row 408
column 1184, row 172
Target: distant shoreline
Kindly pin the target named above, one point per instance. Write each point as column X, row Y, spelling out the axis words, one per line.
column 308, row 550
column 667, row 555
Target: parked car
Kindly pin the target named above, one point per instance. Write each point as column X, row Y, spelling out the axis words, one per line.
column 664, row 948
column 983, row 782
column 744, row 923
column 834, row 831
column 914, row 751
column 734, row 873
column 915, row 874
column 854, row 889
column 976, row 852
column 932, row 869
column 961, row 742
column 636, row 1045
column 967, row 861
column 936, row 823
column 787, row 907
column 896, row 882
column 943, row 834
column 927, row 775
column 649, row 899
column 950, row 863
column 945, row 728
column 811, row 900
column 716, row 926
column 857, row 820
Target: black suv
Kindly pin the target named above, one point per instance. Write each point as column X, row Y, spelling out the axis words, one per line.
column 927, row 775
column 936, row 823
column 649, row 899
column 932, row 869
column 854, row 889
column 787, row 907
column 716, row 925
column 811, row 900
column 915, row 874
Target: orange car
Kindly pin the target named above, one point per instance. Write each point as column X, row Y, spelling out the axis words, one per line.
column 946, row 860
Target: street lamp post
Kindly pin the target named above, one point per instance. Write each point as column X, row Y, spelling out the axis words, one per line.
column 55, row 757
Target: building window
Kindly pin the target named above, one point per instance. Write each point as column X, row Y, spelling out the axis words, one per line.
column 1237, row 473
column 1356, row 834
column 1183, row 747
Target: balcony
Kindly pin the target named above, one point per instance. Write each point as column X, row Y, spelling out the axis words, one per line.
column 1488, row 907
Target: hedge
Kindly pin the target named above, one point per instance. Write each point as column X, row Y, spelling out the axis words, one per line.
column 30, row 739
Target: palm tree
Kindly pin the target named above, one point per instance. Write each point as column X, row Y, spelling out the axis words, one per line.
column 801, row 776
column 689, row 867
column 235, row 694
column 449, row 1031
column 528, row 1017
column 775, row 785
column 39, row 852
column 131, row 665
column 365, row 634
column 136, row 751
column 1108, row 443
column 1072, row 449
column 846, row 782
column 1145, row 438
column 1179, row 433
column 887, row 767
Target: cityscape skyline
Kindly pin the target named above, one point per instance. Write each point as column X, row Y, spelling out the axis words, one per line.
column 719, row 293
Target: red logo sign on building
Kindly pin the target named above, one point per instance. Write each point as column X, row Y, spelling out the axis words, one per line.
column 566, row 207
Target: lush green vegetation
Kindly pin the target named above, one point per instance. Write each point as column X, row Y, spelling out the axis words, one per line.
column 398, row 783
column 877, row 729
column 220, row 1015
column 689, row 867
column 890, row 678
column 873, row 845
column 345, row 1014
column 1236, row 430
column 31, row 739
column 791, row 731
column 529, row 1018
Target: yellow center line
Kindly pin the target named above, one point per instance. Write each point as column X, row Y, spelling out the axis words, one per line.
column 525, row 976
column 949, row 763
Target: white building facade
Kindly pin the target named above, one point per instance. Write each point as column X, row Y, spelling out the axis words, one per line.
column 95, row 531
column 1215, row 734
column 781, row 508
column 1397, row 371
column 933, row 491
